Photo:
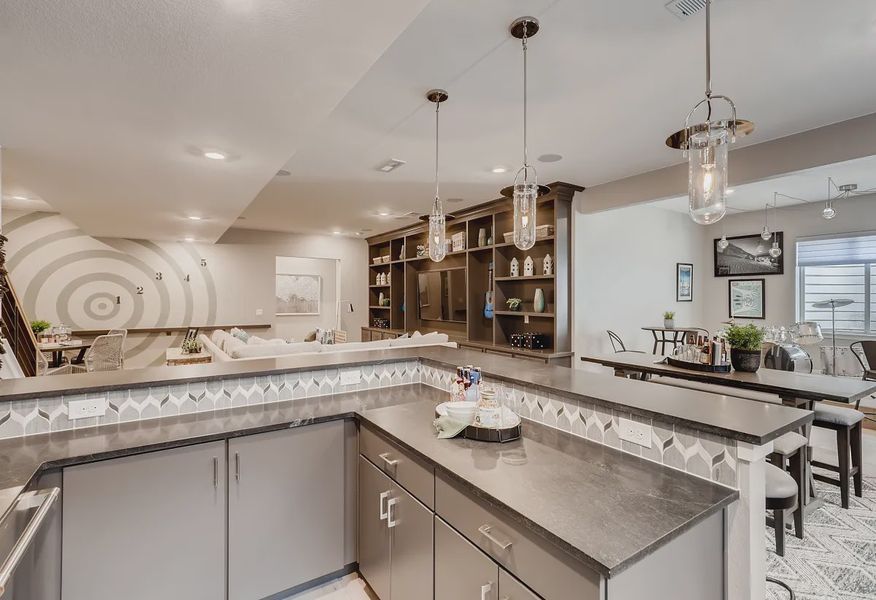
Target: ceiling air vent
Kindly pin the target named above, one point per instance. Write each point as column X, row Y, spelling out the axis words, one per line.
column 685, row 8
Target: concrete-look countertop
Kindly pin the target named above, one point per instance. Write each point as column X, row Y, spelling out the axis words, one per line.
column 543, row 481
column 734, row 418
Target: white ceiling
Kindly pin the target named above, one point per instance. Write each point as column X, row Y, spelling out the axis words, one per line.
column 106, row 104
column 809, row 186
column 608, row 82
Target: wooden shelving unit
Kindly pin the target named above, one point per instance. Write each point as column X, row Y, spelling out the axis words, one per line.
column 478, row 331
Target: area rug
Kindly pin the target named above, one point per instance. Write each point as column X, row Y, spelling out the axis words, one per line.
column 836, row 560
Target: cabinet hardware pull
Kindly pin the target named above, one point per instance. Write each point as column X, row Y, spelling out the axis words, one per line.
column 485, row 530
column 389, row 461
column 19, row 549
column 390, row 519
column 486, row 589
column 215, row 472
column 237, row 466
column 383, row 497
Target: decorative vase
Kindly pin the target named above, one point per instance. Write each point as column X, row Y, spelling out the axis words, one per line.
column 380, row 299
column 482, row 237
column 669, row 323
column 538, row 301
column 746, row 361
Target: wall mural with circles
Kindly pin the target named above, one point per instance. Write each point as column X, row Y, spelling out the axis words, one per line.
column 64, row 276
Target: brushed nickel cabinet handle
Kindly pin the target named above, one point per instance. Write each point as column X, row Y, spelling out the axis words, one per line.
column 486, row 531
column 19, row 549
column 389, row 461
column 486, row 589
column 237, row 466
column 390, row 519
column 215, row 472
column 383, row 512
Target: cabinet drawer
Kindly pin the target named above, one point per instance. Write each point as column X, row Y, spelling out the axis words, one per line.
column 511, row 589
column 415, row 476
column 543, row 567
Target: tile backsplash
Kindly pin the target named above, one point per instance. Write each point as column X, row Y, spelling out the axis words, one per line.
column 698, row 453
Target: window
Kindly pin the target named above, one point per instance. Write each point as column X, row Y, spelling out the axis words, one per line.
column 838, row 267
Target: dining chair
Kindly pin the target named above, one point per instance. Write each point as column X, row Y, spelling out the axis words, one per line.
column 866, row 355
column 43, row 368
column 124, row 334
column 105, row 354
column 617, row 343
column 696, row 335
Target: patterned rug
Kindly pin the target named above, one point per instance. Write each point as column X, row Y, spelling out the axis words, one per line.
column 836, row 560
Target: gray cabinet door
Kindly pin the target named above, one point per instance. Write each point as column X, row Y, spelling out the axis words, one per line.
column 410, row 525
column 374, row 491
column 146, row 527
column 461, row 570
column 285, row 509
column 511, row 589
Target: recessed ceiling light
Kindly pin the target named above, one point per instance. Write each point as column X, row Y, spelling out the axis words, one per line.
column 194, row 218
column 189, row 239
column 213, row 155
column 336, row 232
column 390, row 165
column 382, row 213
column 20, row 198
column 729, row 191
column 499, row 169
column 549, row 158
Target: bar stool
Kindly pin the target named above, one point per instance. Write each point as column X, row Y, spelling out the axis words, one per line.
column 791, row 449
column 846, row 422
column 788, row 589
column 781, row 494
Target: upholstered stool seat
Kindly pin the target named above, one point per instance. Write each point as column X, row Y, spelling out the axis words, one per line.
column 789, row 443
column 781, row 495
column 837, row 415
column 847, row 423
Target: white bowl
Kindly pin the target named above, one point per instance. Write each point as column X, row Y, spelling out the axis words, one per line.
column 464, row 412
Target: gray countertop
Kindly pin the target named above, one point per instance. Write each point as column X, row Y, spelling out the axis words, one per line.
column 607, row 508
column 734, row 418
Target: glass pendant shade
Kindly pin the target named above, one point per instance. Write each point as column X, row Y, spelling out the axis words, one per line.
column 765, row 234
column 437, row 232
column 828, row 212
column 723, row 243
column 525, row 195
column 707, row 175
column 775, row 251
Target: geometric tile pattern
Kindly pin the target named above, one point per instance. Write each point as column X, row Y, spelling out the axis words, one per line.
column 43, row 415
column 705, row 455
column 836, row 560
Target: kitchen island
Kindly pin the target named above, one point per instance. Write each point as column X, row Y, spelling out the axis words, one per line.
column 605, row 510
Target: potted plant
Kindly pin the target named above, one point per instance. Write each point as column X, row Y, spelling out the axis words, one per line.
column 39, row 326
column 745, row 342
column 514, row 303
column 669, row 319
column 191, row 346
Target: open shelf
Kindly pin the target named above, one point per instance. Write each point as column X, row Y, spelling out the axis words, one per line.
column 379, row 307
column 379, row 286
column 521, row 313
column 525, row 278
column 549, row 238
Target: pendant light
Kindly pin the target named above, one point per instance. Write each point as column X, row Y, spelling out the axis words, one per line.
column 437, row 219
column 723, row 243
column 705, row 146
column 765, row 234
column 775, row 251
column 525, row 190
column 829, row 212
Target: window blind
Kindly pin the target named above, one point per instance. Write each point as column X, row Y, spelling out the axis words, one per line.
column 849, row 250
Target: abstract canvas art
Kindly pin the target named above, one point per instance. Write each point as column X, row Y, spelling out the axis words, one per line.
column 298, row 294
column 747, row 299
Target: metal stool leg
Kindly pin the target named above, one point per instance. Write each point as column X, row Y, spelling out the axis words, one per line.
column 784, row 585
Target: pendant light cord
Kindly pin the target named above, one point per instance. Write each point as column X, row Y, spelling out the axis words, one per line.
column 525, row 154
column 437, row 106
column 709, row 58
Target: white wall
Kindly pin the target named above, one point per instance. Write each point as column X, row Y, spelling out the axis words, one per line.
column 63, row 275
column 801, row 220
column 624, row 275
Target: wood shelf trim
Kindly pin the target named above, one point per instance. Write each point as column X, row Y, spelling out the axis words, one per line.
column 549, row 238
column 521, row 313
column 526, row 278
column 380, row 307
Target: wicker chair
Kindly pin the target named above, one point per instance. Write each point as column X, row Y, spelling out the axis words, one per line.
column 124, row 334
column 105, row 354
column 43, row 368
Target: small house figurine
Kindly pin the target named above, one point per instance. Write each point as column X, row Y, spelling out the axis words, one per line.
column 515, row 267
column 547, row 267
column 528, row 267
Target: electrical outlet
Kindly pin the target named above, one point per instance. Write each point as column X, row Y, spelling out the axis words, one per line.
column 83, row 409
column 351, row 376
column 636, row 433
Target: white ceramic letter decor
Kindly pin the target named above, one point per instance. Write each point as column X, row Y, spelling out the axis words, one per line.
column 515, row 267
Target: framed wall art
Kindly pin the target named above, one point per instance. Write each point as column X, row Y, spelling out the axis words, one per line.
column 298, row 294
column 749, row 255
column 747, row 298
column 683, row 282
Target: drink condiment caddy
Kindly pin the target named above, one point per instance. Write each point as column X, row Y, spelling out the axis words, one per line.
column 493, row 422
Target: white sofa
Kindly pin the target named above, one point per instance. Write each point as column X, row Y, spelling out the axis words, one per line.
column 224, row 347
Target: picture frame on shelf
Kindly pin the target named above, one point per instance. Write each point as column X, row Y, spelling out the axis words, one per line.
column 683, row 282
column 748, row 255
column 747, row 298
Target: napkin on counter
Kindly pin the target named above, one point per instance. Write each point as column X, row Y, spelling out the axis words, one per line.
column 447, row 427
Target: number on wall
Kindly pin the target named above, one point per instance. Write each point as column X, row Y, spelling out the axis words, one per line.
column 203, row 262
column 140, row 290
column 188, row 278
column 159, row 276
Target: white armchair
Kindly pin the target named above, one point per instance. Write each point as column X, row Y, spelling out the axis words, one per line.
column 105, row 354
column 43, row 368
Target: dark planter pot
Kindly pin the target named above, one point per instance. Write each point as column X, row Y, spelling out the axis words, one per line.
column 747, row 361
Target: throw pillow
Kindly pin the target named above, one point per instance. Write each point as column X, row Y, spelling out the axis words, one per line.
column 239, row 334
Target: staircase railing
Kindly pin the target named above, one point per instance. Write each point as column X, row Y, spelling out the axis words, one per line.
column 17, row 331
